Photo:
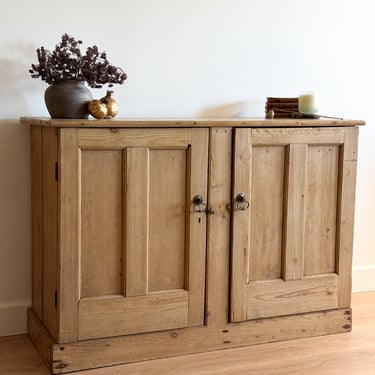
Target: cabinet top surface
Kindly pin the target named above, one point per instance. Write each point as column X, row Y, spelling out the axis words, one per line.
column 186, row 122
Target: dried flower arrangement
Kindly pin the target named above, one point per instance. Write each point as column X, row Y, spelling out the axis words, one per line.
column 66, row 62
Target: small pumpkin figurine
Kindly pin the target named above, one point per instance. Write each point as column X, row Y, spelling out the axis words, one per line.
column 97, row 109
column 110, row 103
column 105, row 107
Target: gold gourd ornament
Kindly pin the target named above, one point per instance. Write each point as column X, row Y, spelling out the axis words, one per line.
column 105, row 107
column 111, row 104
column 97, row 109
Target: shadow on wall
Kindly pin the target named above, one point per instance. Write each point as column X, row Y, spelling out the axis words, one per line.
column 16, row 84
column 242, row 109
column 15, row 219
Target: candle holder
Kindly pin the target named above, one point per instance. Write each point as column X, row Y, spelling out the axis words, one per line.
column 308, row 103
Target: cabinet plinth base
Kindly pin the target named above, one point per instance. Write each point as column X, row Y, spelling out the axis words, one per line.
column 80, row 355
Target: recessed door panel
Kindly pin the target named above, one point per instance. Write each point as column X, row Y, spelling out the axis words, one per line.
column 321, row 209
column 139, row 244
column 266, row 202
column 168, row 221
column 288, row 242
column 101, row 220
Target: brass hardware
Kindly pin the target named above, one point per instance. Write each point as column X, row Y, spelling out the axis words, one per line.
column 209, row 211
column 242, row 202
column 197, row 200
column 200, row 206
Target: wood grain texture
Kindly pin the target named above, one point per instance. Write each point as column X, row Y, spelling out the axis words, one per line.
column 131, row 348
column 190, row 123
column 351, row 353
column 346, row 201
column 218, row 243
column 167, row 228
column 101, row 224
column 240, row 266
column 113, row 316
column 69, row 234
column 321, row 209
column 298, row 196
column 282, row 136
column 197, row 224
column 50, row 230
column 137, row 221
column 126, row 189
column 122, row 138
column 278, row 297
column 294, row 212
column 141, row 290
column 40, row 337
column 136, row 210
column 266, row 212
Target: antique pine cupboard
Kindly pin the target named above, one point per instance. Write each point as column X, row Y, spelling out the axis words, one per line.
column 154, row 238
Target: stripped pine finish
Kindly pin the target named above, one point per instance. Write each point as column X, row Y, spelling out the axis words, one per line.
column 325, row 355
column 156, row 238
column 290, row 251
column 123, row 248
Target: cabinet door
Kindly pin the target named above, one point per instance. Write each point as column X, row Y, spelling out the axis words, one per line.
column 293, row 223
column 132, row 246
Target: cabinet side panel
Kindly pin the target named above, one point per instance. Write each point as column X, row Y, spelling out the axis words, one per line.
column 167, row 220
column 266, row 210
column 101, row 240
column 321, row 209
column 346, row 201
column 50, row 245
column 37, row 219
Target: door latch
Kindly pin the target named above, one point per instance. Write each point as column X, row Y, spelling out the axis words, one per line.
column 200, row 206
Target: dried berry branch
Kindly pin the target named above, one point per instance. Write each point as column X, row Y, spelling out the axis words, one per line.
column 66, row 62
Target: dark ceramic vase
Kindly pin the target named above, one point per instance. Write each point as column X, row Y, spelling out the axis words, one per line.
column 68, row 99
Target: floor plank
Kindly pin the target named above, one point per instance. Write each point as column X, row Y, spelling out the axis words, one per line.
column 350, row 353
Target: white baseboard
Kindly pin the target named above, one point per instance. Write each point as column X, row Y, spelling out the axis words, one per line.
column 363, row 278
column 13, row 317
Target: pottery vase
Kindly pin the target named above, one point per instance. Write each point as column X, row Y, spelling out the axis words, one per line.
column 68, row 99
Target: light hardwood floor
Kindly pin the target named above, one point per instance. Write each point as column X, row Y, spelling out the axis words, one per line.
column 342, row 354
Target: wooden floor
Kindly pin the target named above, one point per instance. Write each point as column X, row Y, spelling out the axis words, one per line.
column 342, row 354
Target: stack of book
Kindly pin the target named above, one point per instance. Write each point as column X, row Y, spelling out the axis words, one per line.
column 282, row 107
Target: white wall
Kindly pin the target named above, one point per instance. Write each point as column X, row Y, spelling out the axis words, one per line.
column 186, row 58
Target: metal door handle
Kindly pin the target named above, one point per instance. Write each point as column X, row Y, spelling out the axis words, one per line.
column 200, row 206
column 241, row 202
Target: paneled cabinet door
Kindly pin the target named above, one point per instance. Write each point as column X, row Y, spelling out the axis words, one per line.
column 293, row 208
column 132, row 246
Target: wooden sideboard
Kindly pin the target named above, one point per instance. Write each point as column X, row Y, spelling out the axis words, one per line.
column 154, row 238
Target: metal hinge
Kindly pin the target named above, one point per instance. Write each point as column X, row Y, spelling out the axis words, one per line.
column 57, row 171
